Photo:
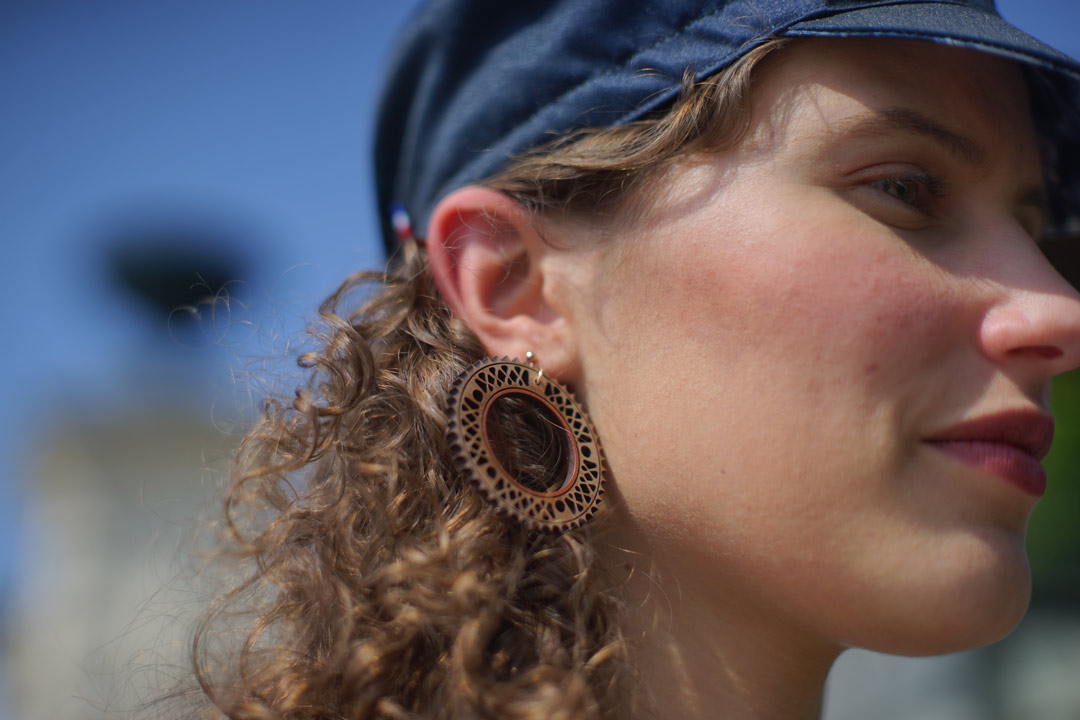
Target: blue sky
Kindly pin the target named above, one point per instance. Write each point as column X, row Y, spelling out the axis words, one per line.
column 254, row 116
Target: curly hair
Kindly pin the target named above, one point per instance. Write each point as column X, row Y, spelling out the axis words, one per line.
column 378, row 583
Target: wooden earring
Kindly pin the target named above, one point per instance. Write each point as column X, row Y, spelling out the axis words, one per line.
column 573, row 498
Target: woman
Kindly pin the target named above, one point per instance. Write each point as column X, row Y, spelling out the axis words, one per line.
column 787, row 256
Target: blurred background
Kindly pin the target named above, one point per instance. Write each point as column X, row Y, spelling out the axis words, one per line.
column 181, row 183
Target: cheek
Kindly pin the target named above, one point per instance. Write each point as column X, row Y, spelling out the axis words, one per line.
column 746, row 340
column 788, row 313
column 754, row 393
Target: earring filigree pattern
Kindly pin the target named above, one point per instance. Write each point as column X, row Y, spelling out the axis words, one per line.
column 578, row 496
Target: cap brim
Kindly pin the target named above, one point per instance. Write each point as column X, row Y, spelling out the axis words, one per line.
column 939, row 22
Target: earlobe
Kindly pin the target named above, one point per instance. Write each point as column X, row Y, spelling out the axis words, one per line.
column 485, row 256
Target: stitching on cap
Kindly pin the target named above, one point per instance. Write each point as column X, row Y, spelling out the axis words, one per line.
column 1045, row 62
column 611, row 70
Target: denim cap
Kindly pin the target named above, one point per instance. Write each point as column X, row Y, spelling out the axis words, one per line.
column 475, row 82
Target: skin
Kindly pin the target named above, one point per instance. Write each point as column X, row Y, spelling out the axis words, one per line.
column 766, row 352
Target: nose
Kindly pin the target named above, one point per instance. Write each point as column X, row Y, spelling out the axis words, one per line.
column 1034, row 327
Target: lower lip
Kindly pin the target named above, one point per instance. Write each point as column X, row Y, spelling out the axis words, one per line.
column 1005, row 461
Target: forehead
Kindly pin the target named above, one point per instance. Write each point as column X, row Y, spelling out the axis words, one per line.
column 826, row 81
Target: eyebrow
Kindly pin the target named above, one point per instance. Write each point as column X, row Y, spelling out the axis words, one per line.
column 879, row 122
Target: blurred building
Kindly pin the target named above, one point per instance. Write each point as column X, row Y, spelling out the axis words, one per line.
column 103, row 614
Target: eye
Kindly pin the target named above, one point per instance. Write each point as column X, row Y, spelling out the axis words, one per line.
column 913, row 190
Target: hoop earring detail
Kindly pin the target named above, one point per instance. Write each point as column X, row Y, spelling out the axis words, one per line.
column 579, row 494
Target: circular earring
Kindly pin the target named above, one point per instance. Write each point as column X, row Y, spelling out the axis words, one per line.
column 479, row 443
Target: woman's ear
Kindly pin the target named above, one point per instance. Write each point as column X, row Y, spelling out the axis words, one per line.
column 487, row 259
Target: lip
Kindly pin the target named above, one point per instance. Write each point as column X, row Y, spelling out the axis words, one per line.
column 1008, row 444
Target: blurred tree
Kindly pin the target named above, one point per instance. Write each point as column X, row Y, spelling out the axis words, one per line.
column 191, row 275
column 174, row 266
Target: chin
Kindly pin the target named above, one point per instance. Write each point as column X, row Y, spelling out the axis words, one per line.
column 981, row 603
column 971, row 593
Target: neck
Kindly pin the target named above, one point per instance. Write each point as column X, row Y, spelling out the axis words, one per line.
column 703, row 650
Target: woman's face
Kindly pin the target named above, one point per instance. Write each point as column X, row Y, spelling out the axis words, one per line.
column 810, row 363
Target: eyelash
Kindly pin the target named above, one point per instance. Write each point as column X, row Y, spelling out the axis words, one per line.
column 921, row 181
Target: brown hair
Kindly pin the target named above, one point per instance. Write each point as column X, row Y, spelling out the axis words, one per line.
column 379, row 584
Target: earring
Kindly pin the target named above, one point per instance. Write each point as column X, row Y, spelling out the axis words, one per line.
column 476, row 438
